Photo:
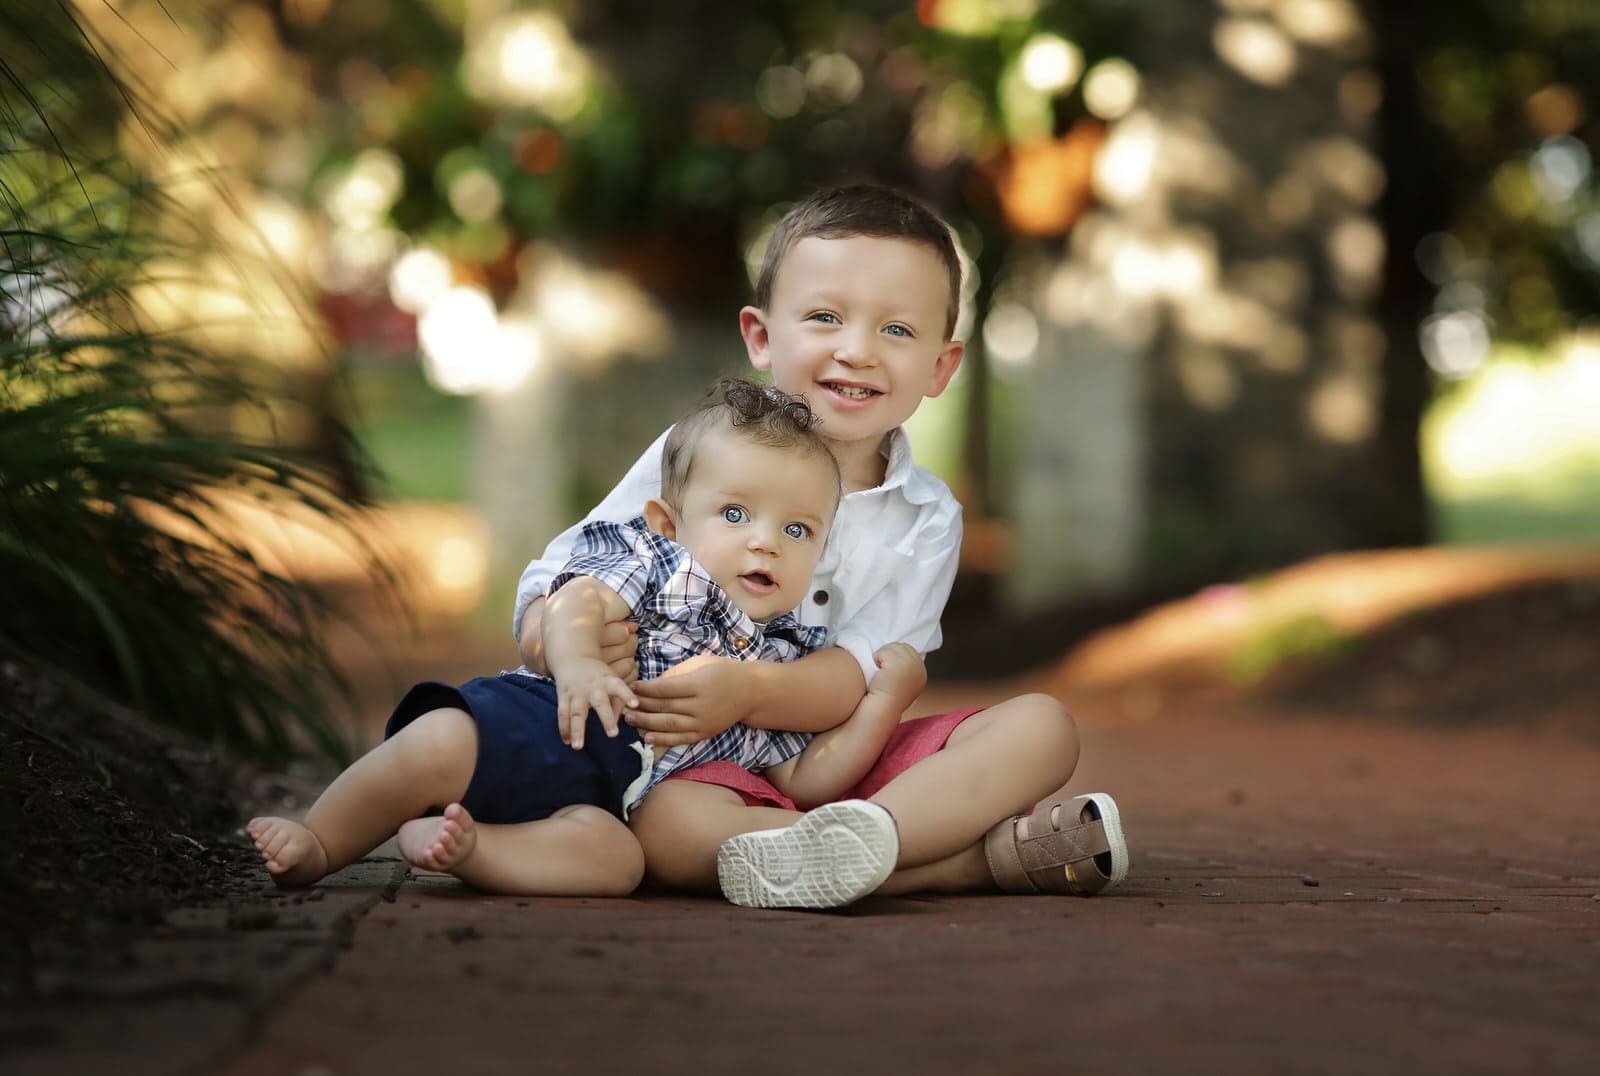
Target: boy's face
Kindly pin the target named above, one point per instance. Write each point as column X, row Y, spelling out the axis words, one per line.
column 857, row 325
column 756, row 517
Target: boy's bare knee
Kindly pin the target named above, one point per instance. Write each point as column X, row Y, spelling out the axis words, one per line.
column 1051, row 727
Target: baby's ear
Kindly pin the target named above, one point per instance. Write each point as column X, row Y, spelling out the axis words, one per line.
column 659, row 518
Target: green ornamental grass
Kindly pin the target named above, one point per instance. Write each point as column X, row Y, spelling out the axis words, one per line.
column 119, row 443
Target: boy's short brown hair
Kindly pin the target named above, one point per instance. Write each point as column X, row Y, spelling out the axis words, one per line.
column 864, row 209
column 759, row 413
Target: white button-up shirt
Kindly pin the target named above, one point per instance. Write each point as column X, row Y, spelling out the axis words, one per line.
column 884, row 576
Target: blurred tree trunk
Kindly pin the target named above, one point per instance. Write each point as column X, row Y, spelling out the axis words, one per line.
column 1238, row 260
column 1415, row 203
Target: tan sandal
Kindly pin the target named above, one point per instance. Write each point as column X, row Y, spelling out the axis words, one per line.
column 1071, row 846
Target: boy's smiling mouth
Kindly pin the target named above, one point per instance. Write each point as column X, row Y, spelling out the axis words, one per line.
column 851, row 392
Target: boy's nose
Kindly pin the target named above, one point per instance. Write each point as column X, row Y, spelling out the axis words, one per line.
column 761, row 541
column 854, row 351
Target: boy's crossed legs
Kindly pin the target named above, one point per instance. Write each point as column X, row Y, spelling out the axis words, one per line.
column 578, row 851
column 996, row 764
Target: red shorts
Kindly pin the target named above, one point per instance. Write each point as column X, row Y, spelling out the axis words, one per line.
column 910, row 743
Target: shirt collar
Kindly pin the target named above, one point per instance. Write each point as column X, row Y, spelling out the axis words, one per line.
column 901, row 472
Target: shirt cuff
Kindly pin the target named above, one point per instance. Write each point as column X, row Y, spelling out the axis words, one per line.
column 862, row 650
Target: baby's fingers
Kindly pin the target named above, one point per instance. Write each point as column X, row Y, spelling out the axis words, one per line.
column 571, row 715
column 610, row 697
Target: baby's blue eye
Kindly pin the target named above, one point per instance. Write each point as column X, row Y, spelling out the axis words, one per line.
column 824, row 317
column 734, row 514
column 797, row 531
column 898, row 330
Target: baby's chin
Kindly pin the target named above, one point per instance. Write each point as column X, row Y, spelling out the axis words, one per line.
column 760, row 614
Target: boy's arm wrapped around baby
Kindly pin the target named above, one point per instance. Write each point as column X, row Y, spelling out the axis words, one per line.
column 837, row 759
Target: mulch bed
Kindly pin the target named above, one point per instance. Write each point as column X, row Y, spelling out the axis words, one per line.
column 106, row 823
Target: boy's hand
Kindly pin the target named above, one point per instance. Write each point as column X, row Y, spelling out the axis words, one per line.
column 901, row 674
column 619, row 645
column 583, row 684
column 690, row 702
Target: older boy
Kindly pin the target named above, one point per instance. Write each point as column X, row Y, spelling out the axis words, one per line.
column 855, row 310
column 713, row 567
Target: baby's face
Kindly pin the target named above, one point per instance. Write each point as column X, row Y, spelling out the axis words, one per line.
column 757, row 518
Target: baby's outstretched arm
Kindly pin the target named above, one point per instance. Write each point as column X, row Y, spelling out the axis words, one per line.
column 835, row 760
column 574, row 621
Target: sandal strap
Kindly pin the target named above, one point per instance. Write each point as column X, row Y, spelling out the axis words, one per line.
column 1053, row 849
column 1001, row 850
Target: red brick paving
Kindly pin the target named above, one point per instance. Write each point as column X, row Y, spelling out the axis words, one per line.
column 1454, row 927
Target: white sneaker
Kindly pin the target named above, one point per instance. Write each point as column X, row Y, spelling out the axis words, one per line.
column 835, row 854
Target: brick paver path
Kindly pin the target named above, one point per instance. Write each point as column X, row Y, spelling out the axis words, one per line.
column 1305, row 897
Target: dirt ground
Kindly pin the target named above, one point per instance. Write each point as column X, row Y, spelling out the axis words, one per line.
column 107, row 825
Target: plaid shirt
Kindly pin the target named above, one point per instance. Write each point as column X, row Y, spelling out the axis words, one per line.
column 682, row 612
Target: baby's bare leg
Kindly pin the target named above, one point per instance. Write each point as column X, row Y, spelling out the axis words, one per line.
column 580, row 851
column 426, row 764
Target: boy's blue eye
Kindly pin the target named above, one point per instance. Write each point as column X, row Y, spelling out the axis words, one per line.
column 898, row 330
column 797, row 531
column 825, row 317
column 734, row 514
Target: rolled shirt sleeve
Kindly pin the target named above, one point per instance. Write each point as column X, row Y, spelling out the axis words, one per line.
column 909, row 585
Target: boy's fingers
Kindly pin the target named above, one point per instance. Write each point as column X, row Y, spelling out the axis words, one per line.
column 677, row 687
column 668, row 739
column 668, row 729
column 661, row 704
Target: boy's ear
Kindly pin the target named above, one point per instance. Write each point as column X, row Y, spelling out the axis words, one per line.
column 659, row 518
column 945, row 367
column 753, row 327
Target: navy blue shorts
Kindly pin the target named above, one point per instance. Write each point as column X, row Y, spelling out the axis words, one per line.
column 524, row 771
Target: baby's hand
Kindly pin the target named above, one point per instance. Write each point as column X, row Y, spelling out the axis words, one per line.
column 901, row 675
column 584, row 684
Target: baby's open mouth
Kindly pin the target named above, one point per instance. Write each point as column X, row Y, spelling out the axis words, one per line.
column 760, row 582
column 854, row 392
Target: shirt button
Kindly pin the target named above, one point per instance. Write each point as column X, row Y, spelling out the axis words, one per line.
column 820, row 597
column 740, row 642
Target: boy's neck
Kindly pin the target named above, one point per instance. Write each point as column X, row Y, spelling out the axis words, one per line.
column 862, row 464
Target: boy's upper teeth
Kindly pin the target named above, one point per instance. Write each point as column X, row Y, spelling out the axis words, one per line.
column 853, row 391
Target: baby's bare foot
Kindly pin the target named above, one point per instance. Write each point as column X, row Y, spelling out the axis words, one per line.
column 439, row 844
column 293, row 854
